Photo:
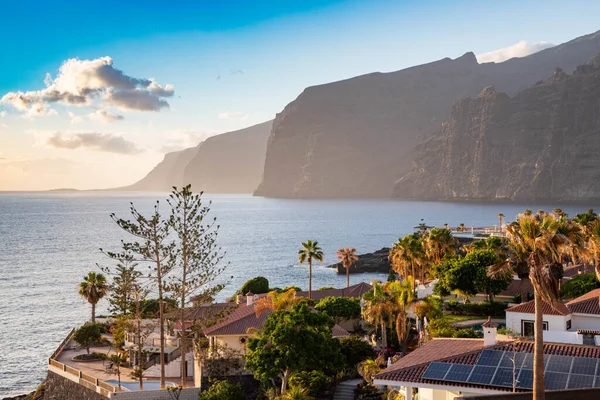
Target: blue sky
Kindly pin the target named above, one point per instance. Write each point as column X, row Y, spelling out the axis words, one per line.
column 231, row 63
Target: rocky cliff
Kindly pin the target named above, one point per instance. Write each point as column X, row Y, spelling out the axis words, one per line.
column 231, row 162
column 541, row 144
column 355, row 138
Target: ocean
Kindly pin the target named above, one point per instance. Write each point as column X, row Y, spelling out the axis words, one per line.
column 49, row 241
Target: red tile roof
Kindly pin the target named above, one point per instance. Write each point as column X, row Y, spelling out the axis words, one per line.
column 589, row 303
column 547, row 309
column 355, row 291
column 238, row 322
column 412, row 367
column 515, row 286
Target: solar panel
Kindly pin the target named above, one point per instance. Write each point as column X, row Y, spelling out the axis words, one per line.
column 437, row 370
column 555, row 380
column 458, row 373
column 525, row 379
column 584, row 365
column 597, row 381
column 482, row 374
column 507, row 360
column 559, row 364
column 528, row 361
column 578, row 381
column 504, row 377
column 490, row 358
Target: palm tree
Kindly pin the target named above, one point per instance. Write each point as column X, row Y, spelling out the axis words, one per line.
column 378, row 310
column 401, row 296
column 440, row 243
column 93, row 288
column 500, row 220
column 297, row 393
column 368, row 369
column 406, row 254
column 275, row 301
column 310, row 250
column 542, row 240
column 348, row 257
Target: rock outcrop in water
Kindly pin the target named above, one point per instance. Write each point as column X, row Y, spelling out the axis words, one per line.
column 377, row 261
column 542, row 144
column 227, row 163
column 355, row 138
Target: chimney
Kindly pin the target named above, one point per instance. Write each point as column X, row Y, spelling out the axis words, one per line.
column 489, row 332
column 249, row 298
column 239, row 298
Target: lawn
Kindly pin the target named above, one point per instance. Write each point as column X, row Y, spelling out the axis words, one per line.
column 458, row 318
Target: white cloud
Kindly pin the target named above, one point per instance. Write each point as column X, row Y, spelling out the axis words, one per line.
column 106, row 142
column 520, row 49
column 104, row 116
column 233, row 115
column 74, row 117
column 89, row 82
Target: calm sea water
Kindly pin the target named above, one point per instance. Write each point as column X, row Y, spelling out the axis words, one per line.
column 49, row 241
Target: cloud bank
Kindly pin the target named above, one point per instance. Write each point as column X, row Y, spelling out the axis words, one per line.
column 520, row 49
column 104, row 116
column 105, row 142
column 92, row 83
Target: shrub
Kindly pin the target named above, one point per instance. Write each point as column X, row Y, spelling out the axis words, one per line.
column 430, row 307
column 315, row 382
column 296, row 288
column 440, row 328
column 340, row 308
column 355, row 350
column 467, row 333
column 222, row 390
column 326, row 288
column 88, row 335
column 579, row 285
column 257, row 285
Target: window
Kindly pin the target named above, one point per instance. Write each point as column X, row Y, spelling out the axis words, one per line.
column 527, row 328
column 569, row 325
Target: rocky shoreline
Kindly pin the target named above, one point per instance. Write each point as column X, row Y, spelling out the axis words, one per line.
column 377, row 261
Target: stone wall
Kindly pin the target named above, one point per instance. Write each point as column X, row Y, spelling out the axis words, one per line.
column 60, row 388
column 186, row 394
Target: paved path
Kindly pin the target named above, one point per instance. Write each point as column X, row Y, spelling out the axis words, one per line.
column 345, row 390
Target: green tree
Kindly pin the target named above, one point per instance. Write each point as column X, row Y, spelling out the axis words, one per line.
column 121, row 288
column 340, row 308
column 315, row 382
column 297, row 393
column 310, row 251
column 222, row 390
column 368, row 369
column 257, row 285
column 378, row 310
column 87, row 335
column 197, row 259
column 93, row 288
column 579, row 285
column 117, row 359
column 543, row 240
column 292, row 341
column 355, row 350
column 151, row 244
column 440, row 243
column 401, row 296
column 347, row 257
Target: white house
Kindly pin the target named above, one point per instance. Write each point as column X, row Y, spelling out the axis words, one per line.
column 521, row 317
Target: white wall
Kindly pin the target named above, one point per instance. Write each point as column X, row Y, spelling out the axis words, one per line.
column 585, row 322
column 233, row 342
column 555, row 322
column 563, row 337
column 173, row 368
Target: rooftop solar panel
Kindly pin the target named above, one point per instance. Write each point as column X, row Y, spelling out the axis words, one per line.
column 504, row 377
column 525, row 379
column 482, row 374
column 528, row 361
column 509, row 356
column 584, row 365
column 436, row 370
column 558, row 363
column 490, row 358
column 578, row 381
column 555, row 380
column 458, row 373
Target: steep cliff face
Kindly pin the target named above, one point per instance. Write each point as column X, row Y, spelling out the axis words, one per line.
column 355, row 138
column 231, row 162
column 166, row 174
column 542, row 144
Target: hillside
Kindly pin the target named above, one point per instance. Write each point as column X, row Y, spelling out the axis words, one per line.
column 355, row 138
column 231, row 162
column 542, row 144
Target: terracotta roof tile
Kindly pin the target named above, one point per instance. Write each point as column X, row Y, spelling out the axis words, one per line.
column 353, row 291
column 339, row 332
column 515, row 286
column 547, row 309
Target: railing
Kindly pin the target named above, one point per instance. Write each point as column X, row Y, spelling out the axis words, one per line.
column 60, row 347
column 85, row 380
